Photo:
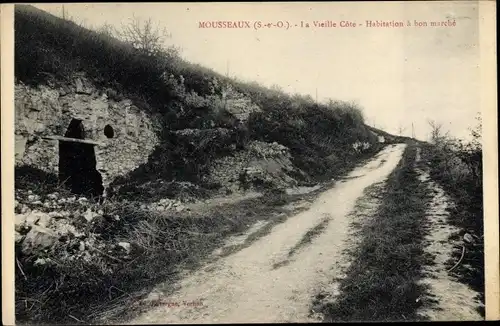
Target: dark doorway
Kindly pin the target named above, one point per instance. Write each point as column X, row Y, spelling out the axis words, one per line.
column 77, row 163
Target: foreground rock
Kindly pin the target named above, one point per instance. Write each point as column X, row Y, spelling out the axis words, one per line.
column 61, row 230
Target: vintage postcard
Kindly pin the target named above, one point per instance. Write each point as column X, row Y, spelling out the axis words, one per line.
column 249, row 162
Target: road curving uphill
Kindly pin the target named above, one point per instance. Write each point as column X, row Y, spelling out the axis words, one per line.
column 275, row 279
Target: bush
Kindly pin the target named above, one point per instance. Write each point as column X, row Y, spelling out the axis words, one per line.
column 457, row 165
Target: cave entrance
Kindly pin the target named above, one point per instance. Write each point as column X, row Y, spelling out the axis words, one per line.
column 77, row 162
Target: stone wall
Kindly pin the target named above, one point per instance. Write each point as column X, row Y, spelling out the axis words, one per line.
column 47, row 110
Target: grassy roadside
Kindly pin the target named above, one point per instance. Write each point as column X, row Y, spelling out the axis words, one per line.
column 466, row 212
column 381, row 283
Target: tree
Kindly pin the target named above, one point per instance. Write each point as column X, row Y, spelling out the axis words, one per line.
column 146, row 37
column 436, row 132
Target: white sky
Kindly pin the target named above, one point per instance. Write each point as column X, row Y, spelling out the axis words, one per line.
column 398, row 75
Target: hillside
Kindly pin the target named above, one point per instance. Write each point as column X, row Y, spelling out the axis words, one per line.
column 185, row 96
column 129, row 165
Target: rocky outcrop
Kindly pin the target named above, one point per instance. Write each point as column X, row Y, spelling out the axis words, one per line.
column 47, row 110
column 260, row 164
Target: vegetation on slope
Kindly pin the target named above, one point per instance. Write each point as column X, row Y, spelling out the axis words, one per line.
column 188, row 95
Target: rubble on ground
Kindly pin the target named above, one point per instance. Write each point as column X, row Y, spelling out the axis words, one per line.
column 167, row 204
column 56, row 228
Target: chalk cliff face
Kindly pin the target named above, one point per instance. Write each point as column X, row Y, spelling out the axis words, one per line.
column 118, row 133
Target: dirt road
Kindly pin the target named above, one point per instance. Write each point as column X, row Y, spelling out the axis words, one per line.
column 268, row 281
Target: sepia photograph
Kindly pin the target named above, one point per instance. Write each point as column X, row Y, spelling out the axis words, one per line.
column 251, row 163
